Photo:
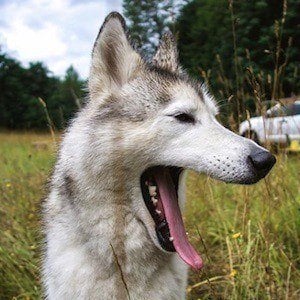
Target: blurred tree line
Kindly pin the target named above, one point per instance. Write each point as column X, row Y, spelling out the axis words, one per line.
column 21, row 88
column 246, row 52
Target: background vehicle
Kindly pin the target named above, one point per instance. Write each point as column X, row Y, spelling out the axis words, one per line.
column 281, row 124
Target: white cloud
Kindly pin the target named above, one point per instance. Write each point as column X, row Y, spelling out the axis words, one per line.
column 57, row 32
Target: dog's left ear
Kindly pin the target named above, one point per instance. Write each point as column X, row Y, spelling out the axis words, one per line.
column 114, row 61
column 166, row 56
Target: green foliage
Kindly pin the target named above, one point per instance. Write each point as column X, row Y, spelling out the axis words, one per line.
column 270, row 31
column 233, row 44
column 21, row 87
column 204, row 31
column 67, row 98
column 148, row 19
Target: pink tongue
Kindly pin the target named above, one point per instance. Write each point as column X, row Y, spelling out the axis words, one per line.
column 173, row 215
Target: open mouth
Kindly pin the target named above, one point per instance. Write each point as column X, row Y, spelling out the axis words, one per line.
column 160, row 192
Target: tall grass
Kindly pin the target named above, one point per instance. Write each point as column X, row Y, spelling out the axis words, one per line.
column 25, row 163
column 248, row 236
column 249, row 84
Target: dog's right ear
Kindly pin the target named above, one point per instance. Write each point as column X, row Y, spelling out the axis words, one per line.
column 114, row 61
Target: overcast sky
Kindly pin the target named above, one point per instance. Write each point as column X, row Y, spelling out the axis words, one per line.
column 57, row 32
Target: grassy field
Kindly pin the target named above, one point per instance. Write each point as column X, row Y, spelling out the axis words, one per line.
column 248, row 236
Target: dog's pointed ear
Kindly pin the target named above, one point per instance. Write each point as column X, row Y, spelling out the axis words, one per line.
column 114, row 61
column 166, row 56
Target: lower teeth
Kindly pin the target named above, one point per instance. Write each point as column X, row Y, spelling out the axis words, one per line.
column 154, row 201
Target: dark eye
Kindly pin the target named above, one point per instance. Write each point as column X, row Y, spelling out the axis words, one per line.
column 185, row 118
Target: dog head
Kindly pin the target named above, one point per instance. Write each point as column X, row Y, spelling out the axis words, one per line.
column 163, row 122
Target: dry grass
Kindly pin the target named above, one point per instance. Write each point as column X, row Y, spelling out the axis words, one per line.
column 23, row 171
column 251, row 234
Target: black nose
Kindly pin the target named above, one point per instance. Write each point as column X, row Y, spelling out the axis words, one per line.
column 262, row 161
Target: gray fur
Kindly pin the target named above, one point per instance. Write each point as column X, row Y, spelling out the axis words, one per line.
column 166, row 56
column 100, row 238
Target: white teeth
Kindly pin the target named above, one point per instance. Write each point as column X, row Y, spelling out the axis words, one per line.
column 154, row 200
column 152, row 190
column 171, row 239
column 158, row 211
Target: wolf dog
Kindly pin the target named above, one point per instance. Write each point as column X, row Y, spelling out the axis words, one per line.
column 112, row 219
